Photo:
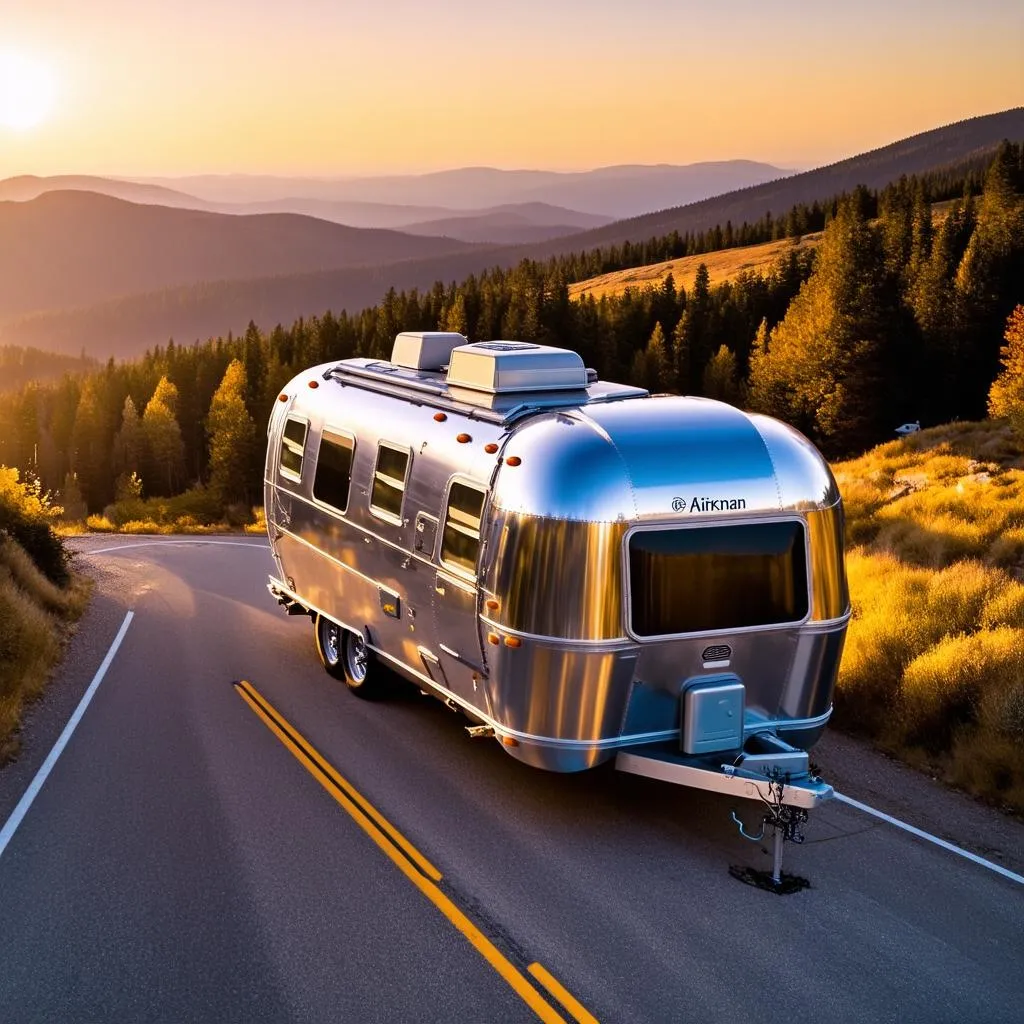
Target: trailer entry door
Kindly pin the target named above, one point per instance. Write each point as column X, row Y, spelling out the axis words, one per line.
column 700, row 579
column 456, row 594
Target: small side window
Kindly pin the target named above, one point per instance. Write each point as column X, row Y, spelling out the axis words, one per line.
column 334, row 469
column 460, row 539
column 293, row 445
column 389, row 481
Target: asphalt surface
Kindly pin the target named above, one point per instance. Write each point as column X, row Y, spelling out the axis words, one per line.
column 180, row 864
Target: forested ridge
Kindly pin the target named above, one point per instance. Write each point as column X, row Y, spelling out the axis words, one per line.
column 898, row 315
column 20, row 365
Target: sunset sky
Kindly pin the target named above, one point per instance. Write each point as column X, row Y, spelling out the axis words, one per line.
column 337, row 87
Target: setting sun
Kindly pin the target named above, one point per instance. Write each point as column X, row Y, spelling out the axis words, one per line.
column 27, row 91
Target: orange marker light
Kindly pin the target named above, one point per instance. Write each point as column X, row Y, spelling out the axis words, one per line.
column 513, row 460
column 440, row 417
column 463, row 438
column 490, row 448
column 282, row 398
column 314, row 384
column 492, row 638
column 513, row 641
column 510, row 741
column 491, row 604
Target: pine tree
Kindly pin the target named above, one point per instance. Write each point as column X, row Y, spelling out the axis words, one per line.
column 825, row 359
column 681, row 355
column 75, row 510
column 720, row 377
column 699, row 328
column 164, row 451
column 455, row 317
column 660, row 372
column 639, row 375
column 89, row 453
column 128, row 442
column 1006, row 396
column 232, row 434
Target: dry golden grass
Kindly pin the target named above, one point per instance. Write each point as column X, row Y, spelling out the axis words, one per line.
column 934, row 661
column 33, row 617
column 723, row 265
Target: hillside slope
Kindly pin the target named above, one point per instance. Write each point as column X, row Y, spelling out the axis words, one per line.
column 723, row 265
column 931, row 150
column 68, row 249
column 933, row 667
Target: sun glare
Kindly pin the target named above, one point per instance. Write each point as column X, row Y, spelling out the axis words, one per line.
column 27, row 91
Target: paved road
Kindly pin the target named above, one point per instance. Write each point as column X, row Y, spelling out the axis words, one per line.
column 182, row 864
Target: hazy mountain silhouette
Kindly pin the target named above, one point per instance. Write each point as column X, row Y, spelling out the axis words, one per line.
column 510, row 224
column 609, row 191
column 515, row 223
column 28, row 186
column 76, row 248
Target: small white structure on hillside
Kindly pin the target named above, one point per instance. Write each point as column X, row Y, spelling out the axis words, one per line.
column 908, row 428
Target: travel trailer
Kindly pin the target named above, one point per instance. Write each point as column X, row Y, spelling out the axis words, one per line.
column 585, row 570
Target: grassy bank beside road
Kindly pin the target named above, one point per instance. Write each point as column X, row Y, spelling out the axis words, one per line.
column 934, row 664
column 39, row 598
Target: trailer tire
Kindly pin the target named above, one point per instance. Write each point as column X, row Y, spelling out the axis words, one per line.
column 345, row 656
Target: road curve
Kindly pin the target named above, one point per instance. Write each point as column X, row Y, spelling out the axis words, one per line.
column 189, row 859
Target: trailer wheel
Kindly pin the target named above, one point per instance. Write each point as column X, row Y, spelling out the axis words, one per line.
column 345, row 656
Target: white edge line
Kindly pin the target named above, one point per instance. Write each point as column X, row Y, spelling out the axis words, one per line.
column 19, row 812
column 997, row 868
column 264, row 546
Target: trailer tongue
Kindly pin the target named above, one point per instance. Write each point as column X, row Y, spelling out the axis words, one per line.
column 781, row 781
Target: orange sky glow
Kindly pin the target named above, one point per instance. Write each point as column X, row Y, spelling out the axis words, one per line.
column 333, row 87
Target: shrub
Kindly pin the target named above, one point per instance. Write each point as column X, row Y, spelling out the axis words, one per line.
column 28, row 515
column 197, row 507
column 30, row 604
column 944, row 689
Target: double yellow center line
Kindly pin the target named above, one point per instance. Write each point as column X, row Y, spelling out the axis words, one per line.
column 414, row 865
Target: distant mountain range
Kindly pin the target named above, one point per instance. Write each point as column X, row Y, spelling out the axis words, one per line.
column 77, row 248
column 114, row 278
column 613, row 192
column 507, row 224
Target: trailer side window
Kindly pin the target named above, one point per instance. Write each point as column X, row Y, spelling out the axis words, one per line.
column 334, row 469
column 293, row 444
column 460, row 540
column 389, row 481
column 707, row 578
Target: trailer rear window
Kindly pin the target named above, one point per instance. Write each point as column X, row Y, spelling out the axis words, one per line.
column 460, row 541
column 389, row 480
column 293, row 444
column 334, row 469
column 717, row 577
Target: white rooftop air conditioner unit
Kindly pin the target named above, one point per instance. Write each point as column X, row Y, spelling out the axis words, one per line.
column 501, row 366
column 425, row 350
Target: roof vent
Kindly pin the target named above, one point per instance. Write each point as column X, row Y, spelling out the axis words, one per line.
column 500, row 366
column 425, row 350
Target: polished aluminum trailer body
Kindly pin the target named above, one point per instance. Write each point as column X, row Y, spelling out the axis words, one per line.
column 546, row 559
